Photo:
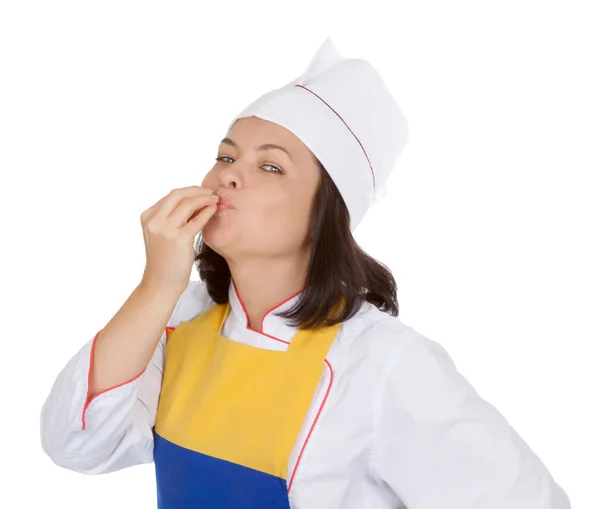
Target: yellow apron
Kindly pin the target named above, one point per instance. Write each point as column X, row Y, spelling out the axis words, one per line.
column 229, row 415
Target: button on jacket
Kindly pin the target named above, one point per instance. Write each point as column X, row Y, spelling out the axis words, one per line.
column 383, row 419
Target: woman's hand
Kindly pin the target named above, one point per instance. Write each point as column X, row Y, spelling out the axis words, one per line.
column 170, row 227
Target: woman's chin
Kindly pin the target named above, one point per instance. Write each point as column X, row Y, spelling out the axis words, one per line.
column 216, row 232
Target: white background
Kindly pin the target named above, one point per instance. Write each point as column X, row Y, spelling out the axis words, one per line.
column 490, row 222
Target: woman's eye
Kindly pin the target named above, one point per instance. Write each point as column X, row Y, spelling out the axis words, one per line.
column 274, row 167
column 221, row 158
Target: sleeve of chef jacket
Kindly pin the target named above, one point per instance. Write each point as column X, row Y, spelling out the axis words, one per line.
column 114, row 429
column 439, row 445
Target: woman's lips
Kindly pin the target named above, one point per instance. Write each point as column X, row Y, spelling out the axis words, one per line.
column 223, row 206
column 224, row 203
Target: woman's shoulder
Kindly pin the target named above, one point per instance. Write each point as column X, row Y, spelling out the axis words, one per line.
column 376, row 329
column 383, row 339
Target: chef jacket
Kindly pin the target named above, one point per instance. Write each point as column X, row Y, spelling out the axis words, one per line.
column 385, row 422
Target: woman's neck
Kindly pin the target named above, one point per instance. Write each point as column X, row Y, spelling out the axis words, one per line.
column 264, row 285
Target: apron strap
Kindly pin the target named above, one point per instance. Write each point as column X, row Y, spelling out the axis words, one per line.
column 317, row 342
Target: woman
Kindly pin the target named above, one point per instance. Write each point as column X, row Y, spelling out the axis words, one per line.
column 283, row 378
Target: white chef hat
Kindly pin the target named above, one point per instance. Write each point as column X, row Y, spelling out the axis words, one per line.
column 341, row 109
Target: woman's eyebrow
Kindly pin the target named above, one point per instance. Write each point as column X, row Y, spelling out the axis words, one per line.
column 265, row 146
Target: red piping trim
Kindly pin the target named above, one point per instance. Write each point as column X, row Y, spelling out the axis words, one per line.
column 264, row 316
column 352, row 132
column 167, row 329
column 313, row 424
column 88, row 399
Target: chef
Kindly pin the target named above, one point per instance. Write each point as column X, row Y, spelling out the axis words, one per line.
column 283, row 378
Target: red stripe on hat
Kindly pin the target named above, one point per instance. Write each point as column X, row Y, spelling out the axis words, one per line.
column 361, row 145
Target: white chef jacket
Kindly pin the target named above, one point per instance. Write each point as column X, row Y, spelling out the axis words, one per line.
column 392, row 424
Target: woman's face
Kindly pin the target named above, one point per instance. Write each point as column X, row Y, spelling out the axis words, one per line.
column 272, row 192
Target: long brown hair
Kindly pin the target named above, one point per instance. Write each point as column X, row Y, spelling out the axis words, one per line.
column 340, row 273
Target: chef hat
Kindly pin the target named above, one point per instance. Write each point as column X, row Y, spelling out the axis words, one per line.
column 341, row 109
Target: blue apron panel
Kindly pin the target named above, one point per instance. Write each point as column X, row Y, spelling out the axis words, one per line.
column 188, row 479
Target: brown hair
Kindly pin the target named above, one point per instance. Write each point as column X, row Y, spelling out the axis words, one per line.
column 339, row 272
